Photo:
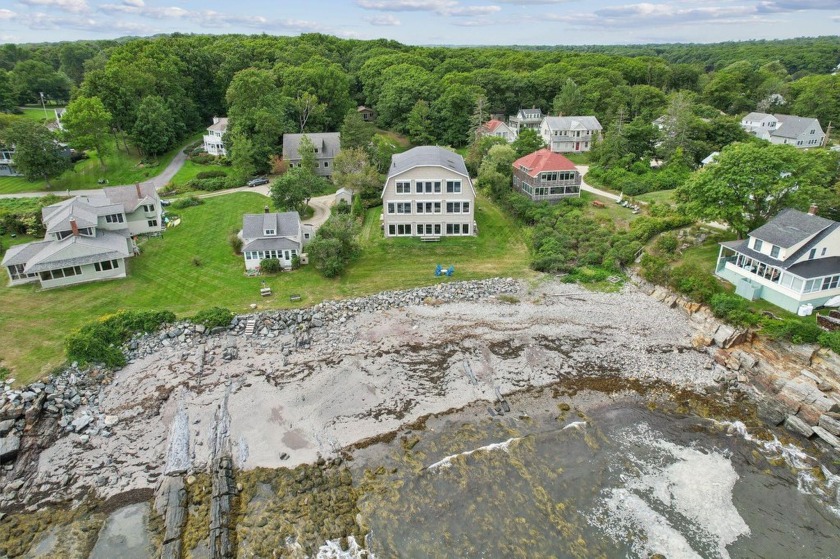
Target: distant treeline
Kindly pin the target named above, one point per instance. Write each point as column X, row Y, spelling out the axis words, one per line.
column 269, row 85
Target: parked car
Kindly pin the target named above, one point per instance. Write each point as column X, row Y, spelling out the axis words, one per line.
column 257, row 181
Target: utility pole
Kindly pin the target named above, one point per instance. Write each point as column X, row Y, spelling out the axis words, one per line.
column 43, row 105
column 827, row 137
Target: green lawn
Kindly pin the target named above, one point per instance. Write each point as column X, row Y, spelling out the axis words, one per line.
column 191, row 169
column 34, row 323
column 583, row 158
column 612, row 212
column 37, row 114
column 660, row 197
column 120, row 168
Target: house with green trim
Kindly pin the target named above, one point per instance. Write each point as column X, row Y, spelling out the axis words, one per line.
column 790, row 261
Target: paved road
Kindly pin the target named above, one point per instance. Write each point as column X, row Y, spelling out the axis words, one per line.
column 583, row 169
column 158, row 181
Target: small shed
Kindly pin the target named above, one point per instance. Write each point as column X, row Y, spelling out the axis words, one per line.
column 342, row 194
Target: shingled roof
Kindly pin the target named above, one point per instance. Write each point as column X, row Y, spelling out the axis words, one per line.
column 286, row 224
column 543, row 160
column 427, row 156
column 327, row 143
column 791, row 227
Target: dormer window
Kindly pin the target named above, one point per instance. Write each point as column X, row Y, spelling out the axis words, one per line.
column 774, row 252
column 270, row 231
column 757, row 245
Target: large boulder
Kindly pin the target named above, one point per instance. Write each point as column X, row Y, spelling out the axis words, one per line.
column 9, row 447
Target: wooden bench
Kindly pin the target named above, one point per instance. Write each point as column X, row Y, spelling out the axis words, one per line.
column 294, row 298
column 265, row 291
column 430, row 239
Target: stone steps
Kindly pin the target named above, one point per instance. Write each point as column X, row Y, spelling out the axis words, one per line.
column 250, row 326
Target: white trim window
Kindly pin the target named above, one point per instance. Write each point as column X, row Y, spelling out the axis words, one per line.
column 428, row 229
column 400, row 229
column 269, row 232
column 457, row 207
column 152, row 223
column 403, row 187
column 403, row 207
column 106, row 265
column 453, row 187
column 114, row 218
column 428, row 187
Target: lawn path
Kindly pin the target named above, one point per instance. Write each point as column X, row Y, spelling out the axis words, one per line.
column 158, row 181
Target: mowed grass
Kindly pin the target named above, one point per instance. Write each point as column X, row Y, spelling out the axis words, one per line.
column 611, row 212
column 191, row 169
column 119, row 168
column 34, row 323
column 660, row 197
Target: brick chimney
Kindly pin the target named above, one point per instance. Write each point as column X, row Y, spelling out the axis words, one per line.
column 74, row 227
column 137, row 188
column 266, row 209
column 813, row 209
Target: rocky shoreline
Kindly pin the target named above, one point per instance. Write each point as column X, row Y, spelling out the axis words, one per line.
column 297, row 387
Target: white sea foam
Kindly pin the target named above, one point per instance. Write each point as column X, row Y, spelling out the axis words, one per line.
column 800, row 461
column 673, row 481
column 332, row 550
column 447, row 462
column 575, row 425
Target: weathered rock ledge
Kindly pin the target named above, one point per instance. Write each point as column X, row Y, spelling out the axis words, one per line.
column 797, row 386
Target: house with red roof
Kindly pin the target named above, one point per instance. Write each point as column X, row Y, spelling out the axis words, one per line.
column 546, row 176
column 498, row 128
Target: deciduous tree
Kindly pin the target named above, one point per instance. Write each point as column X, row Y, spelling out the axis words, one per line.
column 37, row 153
column 335, row 245
column 750, row 183
column 87, row 125
column 355, row 132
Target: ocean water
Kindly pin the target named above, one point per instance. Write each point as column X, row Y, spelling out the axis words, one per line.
column 622, row 481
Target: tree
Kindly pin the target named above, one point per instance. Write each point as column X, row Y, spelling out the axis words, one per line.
column 750, row 183
column 355, row 132
column 87, row 125
column 352, row 170
column 307, row 107
column 496, row 170
column 381, row 150
column 568, row 100
column 527, row 142
column 293, row 190
column 37, row 153
column 7, row 93
column 33, row 77
column 306, row 150
column 419, row 124
column 155, row 129
column 335, row 245
column 257, row 120
column 480, row 115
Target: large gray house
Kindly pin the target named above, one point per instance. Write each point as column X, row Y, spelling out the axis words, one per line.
column 785, row 129
column 87, row 238
column 570, row 134
column 792, row 260
column 273, row 235
column 327, row 145
column 428, row 194
column 525, row 119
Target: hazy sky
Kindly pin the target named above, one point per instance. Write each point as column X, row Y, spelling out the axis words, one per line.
column 461, row 22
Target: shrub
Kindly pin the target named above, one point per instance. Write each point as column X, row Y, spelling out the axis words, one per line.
column 213, row 317
column 99, row 341
column 187, row 202
column 209, row 185
column 270, row 265
column 734, row 309
column 212, row 174
column 235, row 243
column 792, row 330
column 201, row 157
column 831, row 340
column 295, row 262
column 695, row 282
column 667, row 244
column 341, row 208
column 655, row 269
column 196, row 261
